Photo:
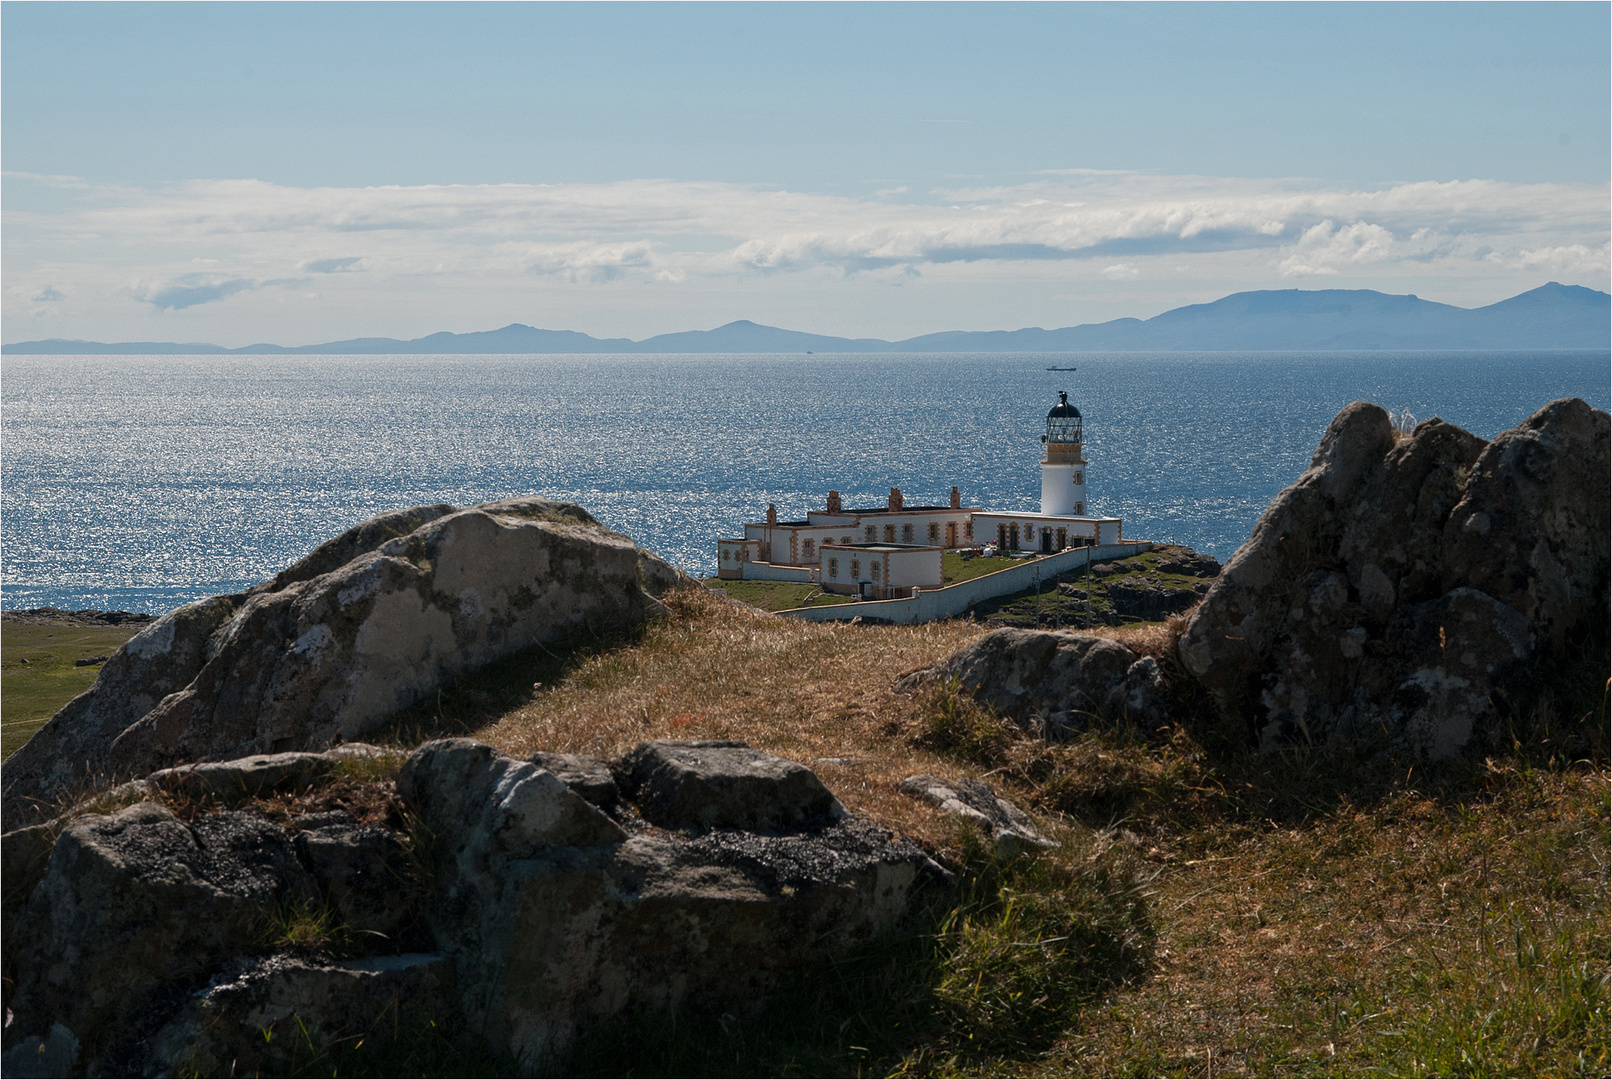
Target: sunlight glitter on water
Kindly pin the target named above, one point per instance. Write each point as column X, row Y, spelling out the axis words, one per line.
column 144, row 482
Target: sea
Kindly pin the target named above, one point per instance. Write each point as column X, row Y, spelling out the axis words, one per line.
column 140, row 483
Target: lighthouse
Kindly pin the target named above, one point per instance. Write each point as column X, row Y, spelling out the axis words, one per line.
column 1063, row 469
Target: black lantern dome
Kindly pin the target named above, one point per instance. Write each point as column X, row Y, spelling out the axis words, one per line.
column 1063, row 422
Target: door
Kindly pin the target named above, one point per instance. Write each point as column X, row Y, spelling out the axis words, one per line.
column 1046, row 541
column 951, row 534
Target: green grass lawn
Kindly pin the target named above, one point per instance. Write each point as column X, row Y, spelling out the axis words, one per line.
column 38, row 674
column 782, row 595
column 777, row 595
column 954, row 568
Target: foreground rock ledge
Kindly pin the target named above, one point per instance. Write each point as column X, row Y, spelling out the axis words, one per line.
column 369, row 623
column 516, row 907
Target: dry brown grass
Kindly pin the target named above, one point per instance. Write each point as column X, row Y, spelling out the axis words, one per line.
column 819, row 693
column 1313, row 914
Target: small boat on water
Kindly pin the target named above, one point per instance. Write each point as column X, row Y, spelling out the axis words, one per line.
column 1060, row 369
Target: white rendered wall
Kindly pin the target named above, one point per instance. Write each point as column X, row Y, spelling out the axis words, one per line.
column 1060, row 495
column 955, row 599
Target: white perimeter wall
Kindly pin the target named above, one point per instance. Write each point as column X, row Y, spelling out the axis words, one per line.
column 954, row 600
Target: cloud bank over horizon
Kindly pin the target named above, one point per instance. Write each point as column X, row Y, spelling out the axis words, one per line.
column 236, row 261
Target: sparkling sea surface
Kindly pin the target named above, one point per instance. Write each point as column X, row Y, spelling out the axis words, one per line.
column 143, row 482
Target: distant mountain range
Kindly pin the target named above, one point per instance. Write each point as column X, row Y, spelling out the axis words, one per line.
column 1552, row 316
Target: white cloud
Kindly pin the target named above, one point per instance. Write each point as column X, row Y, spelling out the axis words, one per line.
column 215, row 244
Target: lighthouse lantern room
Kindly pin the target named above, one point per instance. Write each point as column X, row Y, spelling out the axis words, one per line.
column 1063, row 469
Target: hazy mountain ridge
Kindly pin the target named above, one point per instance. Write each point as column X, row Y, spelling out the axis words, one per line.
column 1553, row 316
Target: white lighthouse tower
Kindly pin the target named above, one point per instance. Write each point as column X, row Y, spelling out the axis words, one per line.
column 1063, row 470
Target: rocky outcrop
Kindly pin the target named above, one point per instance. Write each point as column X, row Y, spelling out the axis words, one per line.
column 1055, row 682
column 1010, row 829
column 1395, row 594
column 557, row 913
column 503, row 902
column 367, row 624
column 1402, row 583
column 1150, row 600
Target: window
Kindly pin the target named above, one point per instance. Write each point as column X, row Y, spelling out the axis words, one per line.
column 889, row 534
column 1080, row 508
column 870, row 534
column 934, row 532
column 726, row 554
column 906, row 533
column 845, row 539
column 810, row 548
column 968, row 529
column 873, row 571
column 1080, row 478
column 856, row 568
column 833, row 568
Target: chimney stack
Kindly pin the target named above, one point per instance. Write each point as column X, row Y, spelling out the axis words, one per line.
column 957, row 498
column 772, row 514
column 833, row 502
column 895, row 499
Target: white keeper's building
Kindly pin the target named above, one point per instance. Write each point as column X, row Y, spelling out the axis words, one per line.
column 888, row 551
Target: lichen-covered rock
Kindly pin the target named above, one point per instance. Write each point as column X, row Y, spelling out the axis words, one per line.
column 363, row 876
column 1531, row 527
column 725, row 785
column 589, row 777
column 1055, row 681
column 547, row 936
column 1401, row 583
column 1009, row 828
column 270, row 1017
column 367, row 624
column 137, row 902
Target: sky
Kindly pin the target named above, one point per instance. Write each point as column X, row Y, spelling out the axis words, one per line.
column 298, row 173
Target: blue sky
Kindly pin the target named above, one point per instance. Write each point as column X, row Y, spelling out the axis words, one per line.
column 303, row 172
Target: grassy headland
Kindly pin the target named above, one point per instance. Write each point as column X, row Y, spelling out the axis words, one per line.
column 39, row 672
column 1211, row 911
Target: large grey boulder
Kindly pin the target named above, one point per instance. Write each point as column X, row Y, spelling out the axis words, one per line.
column 137, row 902
column 725, row 785
column 1403, row 582
column 271, row 1016
column 368, row 624
column 556, row 915
column 1055, row 681
column 152, row 945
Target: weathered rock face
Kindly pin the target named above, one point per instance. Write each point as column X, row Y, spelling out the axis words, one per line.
column 516, row 908
column 726, row 785
column 1401, row 582
column 1055, row 681
column 556, row 914
column 266, row 1018
column 136, row 902
column 367, row 624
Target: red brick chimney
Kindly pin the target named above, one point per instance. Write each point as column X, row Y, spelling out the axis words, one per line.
column 957, row 498
column 895, row 499
column 833, row 502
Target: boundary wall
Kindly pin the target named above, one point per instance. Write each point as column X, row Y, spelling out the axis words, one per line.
column 953, row 600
